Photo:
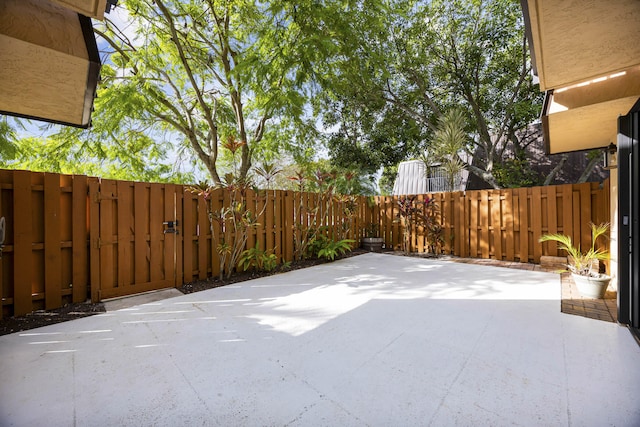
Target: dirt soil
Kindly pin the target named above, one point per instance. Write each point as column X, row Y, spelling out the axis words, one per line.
column 40, row 318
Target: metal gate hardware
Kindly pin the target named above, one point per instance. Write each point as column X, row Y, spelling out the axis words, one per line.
column 171, row 227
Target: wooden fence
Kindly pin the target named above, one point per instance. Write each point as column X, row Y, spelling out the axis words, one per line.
column 505, row 224
column 69, row 238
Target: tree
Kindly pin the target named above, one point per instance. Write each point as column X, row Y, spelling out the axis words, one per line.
column 448, row 141
column 208, row 71
column 63, row 153
column 8, row 149
column 432, row 56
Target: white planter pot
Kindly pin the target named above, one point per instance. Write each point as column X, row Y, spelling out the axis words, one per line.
column 372, row 244
column 591, row 287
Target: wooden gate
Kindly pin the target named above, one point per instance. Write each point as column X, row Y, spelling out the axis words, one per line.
column 135, row 240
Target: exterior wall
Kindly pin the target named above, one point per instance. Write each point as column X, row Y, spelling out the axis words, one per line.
column 613, row 249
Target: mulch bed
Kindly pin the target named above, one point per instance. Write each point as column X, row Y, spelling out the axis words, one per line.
column 40, row 318
column 9, row 325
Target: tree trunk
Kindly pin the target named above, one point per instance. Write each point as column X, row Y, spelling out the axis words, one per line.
column 556, row 169
column 587, row 171
column 487, row 176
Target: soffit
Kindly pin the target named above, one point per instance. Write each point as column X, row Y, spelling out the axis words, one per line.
column 580, row 40
column 91, row 8
column 584, row 128
column 49, row 64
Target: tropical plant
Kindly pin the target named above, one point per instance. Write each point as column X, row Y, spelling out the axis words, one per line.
column 231, row 224
column 372, row 230
column 414, row 213
column 323, row 247
column 582, row 263
column 259, row 259
column 448, row 142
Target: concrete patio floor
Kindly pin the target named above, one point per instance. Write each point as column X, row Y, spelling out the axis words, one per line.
column 374, row 340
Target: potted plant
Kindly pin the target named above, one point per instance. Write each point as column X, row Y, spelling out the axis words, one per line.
column 589, row 281
column 372, row 242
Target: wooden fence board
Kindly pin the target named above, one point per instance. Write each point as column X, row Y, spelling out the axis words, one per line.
column 459, row 231
column 536, row 223
column 447, row 223
column 278, row 225
column 287, row 221
column 269, row 216
column 94, row 234
column 179, row 239
column 203, row 237
column 106, row 243
column 125, row 232
column 417, row 236
column 140, row 209
column 156, row 233
column 169, row 239
column 188, row 228
column 484, row 224
column 509, row 225
column 524, row 224
column 585, row 214
column 496, row 223
column 552, row 218
column 22, row 238
column 216, row 204
column 52, row 254
column 473, row 224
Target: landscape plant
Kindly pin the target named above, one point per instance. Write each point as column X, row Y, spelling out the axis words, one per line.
column 582, row 263
column 414, row 214
column 317, row 224
column 258, row 259
column 231, row 224
column 333, row 248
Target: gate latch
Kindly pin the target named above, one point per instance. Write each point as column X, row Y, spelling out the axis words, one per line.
column 171, row 227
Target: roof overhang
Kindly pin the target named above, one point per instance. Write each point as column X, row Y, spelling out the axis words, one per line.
column 49, row 62
column 587, row 58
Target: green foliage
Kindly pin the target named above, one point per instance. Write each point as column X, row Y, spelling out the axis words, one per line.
column 8, row 149
column 258, row 259
column 323, row 247
column 422, row 59
column 516, row 173
column 372, row 230
column 321, row 175
column 387, row 180
column 449, row 140
column 582, row 262
column 231, row 224
column 200, row 72
column 414, row 213
column 327, row 199
column 66, row 152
